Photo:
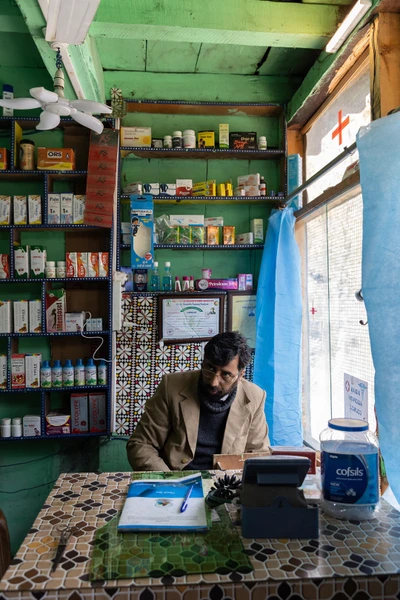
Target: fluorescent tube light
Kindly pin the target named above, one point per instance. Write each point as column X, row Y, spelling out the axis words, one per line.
column 352, row 19
column 68, row 21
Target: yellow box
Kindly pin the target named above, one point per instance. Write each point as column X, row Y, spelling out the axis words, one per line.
column 204, row 188
column 136, row 137
column 56, row 159
column 228, row 235
column 3, row 159
column 221, row 190
column 206, row 139
column 212, row 235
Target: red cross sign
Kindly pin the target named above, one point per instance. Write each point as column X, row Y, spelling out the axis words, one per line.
column 340, row 127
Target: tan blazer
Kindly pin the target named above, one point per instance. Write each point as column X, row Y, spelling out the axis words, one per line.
column 165, row 438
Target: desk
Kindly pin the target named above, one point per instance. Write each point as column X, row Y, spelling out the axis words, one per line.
column 351, row 560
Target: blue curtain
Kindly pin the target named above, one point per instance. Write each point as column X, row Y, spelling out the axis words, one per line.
column 378, row 145
column 277, row 362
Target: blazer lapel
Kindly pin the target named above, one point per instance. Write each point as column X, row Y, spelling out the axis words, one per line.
column 190, row 409
column 238, row 416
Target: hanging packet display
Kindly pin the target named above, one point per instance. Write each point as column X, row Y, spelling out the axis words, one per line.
column 142, row 217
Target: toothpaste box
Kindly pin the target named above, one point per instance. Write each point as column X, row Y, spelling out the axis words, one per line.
column 82, row 263
column 92, row 264
column 66, row 201
column 78, row 209
column 17, row 371
column 184, row 187
column 103, row 264
column 21, row 262
column 79, row 413
column 186, row 220
column 55, row 310
column 31, row 425
column 5, row 210
column 53, row 209
column 20, row 210
column 216, row 221
column 3, row 372
column 245, row 238
column 142, row 239
column 151, row 188
column 245, row 282
column 4, row 266
column 97, row 412
column 5, row 316
column 216, row 284
column 21, row 316
column 32, row 370
column 257, row 229
column 35, row 316
column 75, row 321
column 58, row 423
column 71, row 259
column 38, row 261
column 168, row 189
column 35, row 210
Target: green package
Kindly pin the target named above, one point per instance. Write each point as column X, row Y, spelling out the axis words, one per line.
column 197, row 234
column 184, row 235
column 171, row 236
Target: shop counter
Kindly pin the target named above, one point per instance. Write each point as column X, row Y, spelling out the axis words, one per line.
column 350, row 560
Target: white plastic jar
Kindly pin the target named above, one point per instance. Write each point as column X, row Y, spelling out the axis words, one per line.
column 61, row 269
column 50, row 269
column 167, row 141
column 349, row 470
column 16, row 427
column 177, row 140
column 6, row 427
column 189, row 138
column 262, row 142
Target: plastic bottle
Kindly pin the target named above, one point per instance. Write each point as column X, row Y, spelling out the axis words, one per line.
column 61, row 270
column 56, row 374
column 50, row 269
column 6, row 427
column 167, row 278
column 262, row 187
column 262, row 142
column 68, row 374
column 90, row 372
column 45, row 374
column 102, row 373
column 79, row 373
column 191, row 283
column 167, row 141
column 178, row 284
column 16, row 427
column 177, row 140
column 155, row 279
column 349, row 470
column 186, row 284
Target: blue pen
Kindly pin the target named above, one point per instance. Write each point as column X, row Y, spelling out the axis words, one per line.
column 186, row 499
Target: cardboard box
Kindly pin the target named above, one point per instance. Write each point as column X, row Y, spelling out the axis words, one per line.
column 249, row 180
column 243, row 140
column 5, row 210
column 97, row 412
column 98, row 206
column 223, row 135
column 98, row 220
column 251, row 190
column 257, row 229
column 31, row 425
column 216, row 284
column 205, row 139
column 103, row 264
column 212, row 235
column 5, row 316
column 4, row 160
column 35, row 210
column 58, row 423
column 55, row 159
column 216, row 221
column 17, row 371
column 184, row 234
column 93, row 264
column 151, row 188
column 184, row 187
column 71, row 259
column 245, row 238
column 228, row 232
column 140, row 280
column 78, row 209
column 168, row 189
column 245, row 282
column 55, row 310
column 35, row 316
column 4, row 266
column 32, row 370
column 94, row 325
column 136, row 137
column 67, row 201
column 21, row 316
column 297, row 451
column 142, row 222
column 186, row 220
column 21, row 262
column 75, row 321
column 125, row 227
column 20, row 210
column 53, row 209
column 3, row 371
column 197, row 234
column 79, row 413
column 38, row 257
column 82, row 262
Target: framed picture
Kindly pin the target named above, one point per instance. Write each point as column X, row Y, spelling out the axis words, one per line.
column 242, row 315
column 189, row 318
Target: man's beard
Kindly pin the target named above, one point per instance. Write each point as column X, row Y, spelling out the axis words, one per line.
column 215, row 393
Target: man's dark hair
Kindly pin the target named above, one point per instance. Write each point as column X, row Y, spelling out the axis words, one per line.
column 223, row 348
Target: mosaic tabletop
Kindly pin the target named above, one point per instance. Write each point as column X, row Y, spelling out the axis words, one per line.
column 350, row 560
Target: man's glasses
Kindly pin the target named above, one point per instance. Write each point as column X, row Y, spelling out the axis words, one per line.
column 210, row 372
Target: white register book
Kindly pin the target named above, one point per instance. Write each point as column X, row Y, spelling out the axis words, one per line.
column 155, row 505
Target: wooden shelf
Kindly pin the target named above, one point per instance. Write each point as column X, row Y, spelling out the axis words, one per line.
column 183, row 107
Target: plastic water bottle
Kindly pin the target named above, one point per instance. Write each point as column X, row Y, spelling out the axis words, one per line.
column 90, row 372
column 102, row 373
column 79, row 373
column 45, row 374
column 167, row 278
column 349, row 470
column 68, row 374
column 155, row 279
column 56, row 374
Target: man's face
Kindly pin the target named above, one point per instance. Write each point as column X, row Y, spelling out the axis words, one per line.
column 217, row 381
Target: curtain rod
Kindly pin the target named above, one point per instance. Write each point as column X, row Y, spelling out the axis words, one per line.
column 340, row 158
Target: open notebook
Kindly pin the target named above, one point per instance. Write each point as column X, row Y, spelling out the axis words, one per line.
column 155, row 505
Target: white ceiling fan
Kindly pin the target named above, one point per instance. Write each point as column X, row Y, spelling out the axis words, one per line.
column 55, row 106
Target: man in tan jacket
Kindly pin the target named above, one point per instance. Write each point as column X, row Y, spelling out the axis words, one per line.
column 196, row 414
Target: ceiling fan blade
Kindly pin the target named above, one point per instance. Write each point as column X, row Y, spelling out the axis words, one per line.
column 43, row 95
column 91, row 107
column 21, row 103
column 58, row 109
column 87, row 121
column 47, row 121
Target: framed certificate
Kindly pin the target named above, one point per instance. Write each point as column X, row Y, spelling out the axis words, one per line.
column 242, row 315
column 188, row 318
